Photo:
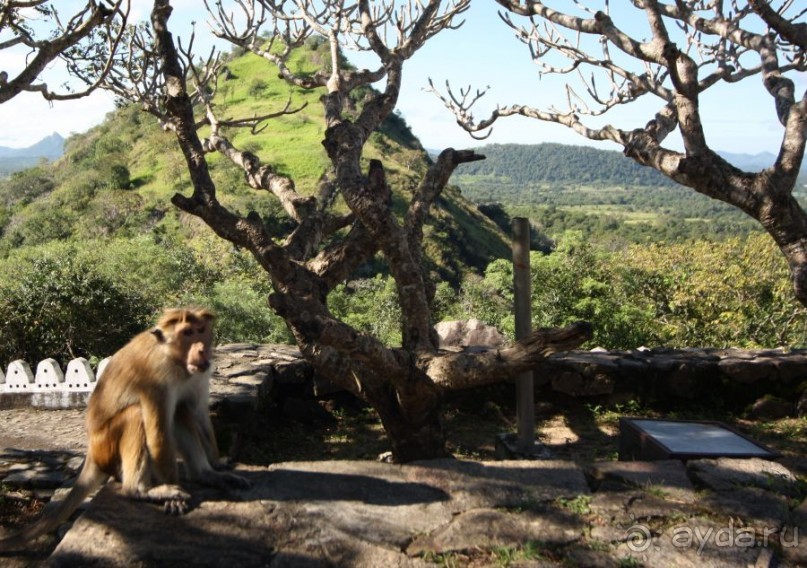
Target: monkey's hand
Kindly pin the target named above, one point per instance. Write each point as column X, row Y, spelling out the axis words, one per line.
column 175, row 500
column 224, row 480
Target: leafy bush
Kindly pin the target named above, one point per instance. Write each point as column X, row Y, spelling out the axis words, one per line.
column 711, row 294
column 39, row 223
column 243, row 314
column 23, row 187
column 118, row 177
column 371, row 306
column 256, row 87
column 58, row 306
column 88, row 298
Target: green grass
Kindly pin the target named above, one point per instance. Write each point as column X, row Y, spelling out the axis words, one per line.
column 580, row 505
column 529, row 551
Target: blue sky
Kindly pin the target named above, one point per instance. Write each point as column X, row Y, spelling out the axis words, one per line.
column 738, row 118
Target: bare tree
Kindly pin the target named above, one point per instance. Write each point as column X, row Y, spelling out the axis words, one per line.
column 403, row 384
column 694, row 45
column 85, row 43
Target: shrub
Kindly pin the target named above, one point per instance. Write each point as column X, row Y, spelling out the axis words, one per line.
column 243, row 315
column 256, row 87
column 58, row 306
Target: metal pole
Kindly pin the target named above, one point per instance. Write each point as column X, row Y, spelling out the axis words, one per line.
column 525, row 394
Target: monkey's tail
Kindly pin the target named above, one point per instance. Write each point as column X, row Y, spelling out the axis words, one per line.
column 56, row 512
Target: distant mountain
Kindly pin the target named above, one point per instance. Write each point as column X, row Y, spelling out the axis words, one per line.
column 750, row 162
column 757, row 162
column 50, row 147
column 17, row 159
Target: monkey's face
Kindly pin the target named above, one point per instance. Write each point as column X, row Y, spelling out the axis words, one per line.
column 198, row 360
column 189, row 336
column 197, row 340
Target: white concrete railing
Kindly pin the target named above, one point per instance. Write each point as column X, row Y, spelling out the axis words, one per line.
column 77, row 377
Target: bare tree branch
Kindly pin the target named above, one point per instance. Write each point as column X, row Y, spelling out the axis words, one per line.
column 795, row 33
column 694, row 46
column 86, row 43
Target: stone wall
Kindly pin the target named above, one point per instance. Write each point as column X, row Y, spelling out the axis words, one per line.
column 280, row 378
column 655, row 375
column 772, row 381
column 677, row 373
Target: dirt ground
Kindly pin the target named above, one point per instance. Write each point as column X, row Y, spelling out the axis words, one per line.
column 583, row 431
column 577, row 429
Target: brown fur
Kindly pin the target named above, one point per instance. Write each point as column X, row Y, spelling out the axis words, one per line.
column 151, row 405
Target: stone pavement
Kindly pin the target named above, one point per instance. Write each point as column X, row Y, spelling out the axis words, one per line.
column 453, row 512
column 446, row 512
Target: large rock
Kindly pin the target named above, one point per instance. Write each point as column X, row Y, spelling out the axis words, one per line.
column 772, row 408
column 746, row 371
column 468, row 333
column 330, row 514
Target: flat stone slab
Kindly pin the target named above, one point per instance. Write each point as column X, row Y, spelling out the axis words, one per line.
column 668, row 477
column 489, row 528
column 756, row 507
column 696, row 544
column 726, row 474
column 349, row 513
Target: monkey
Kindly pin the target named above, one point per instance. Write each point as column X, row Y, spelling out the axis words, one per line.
column 150, row 407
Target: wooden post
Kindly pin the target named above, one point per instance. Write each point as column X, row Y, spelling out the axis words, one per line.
column 525, row 394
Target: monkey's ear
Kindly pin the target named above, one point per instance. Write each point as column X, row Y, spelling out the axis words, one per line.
column 158, row 333
column 205, row 314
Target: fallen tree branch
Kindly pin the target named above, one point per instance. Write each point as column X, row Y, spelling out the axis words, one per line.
column 473, row 368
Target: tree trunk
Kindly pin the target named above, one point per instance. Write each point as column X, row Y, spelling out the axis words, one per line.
column 403, row 385
column 414, row 424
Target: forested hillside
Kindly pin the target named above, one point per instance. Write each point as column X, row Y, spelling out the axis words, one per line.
column 559, row 164
column 601, row 193
column 95, row 233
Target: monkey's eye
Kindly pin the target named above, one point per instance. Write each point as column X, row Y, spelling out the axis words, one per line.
column 201, row 330
column 187, row 331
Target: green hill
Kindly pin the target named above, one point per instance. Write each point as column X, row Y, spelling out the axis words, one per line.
column 116, row 180
column 511, row 165
column 560, row 164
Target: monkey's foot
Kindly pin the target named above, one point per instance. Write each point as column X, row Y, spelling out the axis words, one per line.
column 175, row 499
column 224, row 480
column 176, row 507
